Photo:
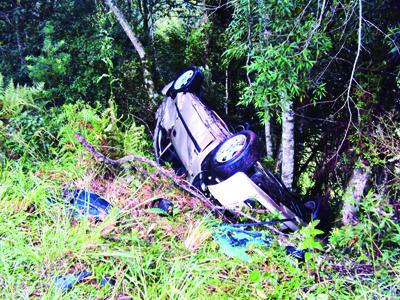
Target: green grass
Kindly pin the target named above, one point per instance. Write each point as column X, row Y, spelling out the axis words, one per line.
column 145, row 253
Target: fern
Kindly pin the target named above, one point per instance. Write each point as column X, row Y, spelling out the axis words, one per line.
column 15, row 98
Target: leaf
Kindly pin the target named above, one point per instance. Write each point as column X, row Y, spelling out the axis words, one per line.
column 101, row 77
column 108, row 229
column 255, row 276
column 307, row 256
column 157, row 211
column 314, row 231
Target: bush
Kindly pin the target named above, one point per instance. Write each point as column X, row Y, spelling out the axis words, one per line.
column 30, row 132
column 46, row 133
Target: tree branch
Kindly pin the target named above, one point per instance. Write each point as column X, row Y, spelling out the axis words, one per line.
column 348, row 97
column 118, row 164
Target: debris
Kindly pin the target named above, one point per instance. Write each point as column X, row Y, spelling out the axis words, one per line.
column 107, row 280
column 272, row 222
column 165, row 205
column 235, row 242
column 298, row 254
column 65, row 283
column 91, row 204
column 83, row 203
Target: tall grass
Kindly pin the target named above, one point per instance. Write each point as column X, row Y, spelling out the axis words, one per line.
column 145, row 253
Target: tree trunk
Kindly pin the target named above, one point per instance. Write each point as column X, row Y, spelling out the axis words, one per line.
column 146, row 19
column 288, row 146
column 268, row 134
column 19, row 43
column 148, row 80
column 352, row 197
column 263, row 21
column 278, row 161
column 206, row 42
column 226, row 90
column 154, row 59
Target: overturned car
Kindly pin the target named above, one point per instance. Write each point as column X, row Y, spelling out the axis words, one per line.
column 224, row 165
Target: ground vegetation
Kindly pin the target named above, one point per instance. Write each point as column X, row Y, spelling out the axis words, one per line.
column 318, row 81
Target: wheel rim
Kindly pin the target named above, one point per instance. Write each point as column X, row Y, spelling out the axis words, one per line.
column 231, row 148
column 183, row 79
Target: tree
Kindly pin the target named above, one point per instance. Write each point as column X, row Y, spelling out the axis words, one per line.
column 147, row 76
column 281, row 42
column 353, row 194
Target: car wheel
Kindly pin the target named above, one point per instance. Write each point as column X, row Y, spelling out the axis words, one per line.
column 237, row 154
column 189, row 81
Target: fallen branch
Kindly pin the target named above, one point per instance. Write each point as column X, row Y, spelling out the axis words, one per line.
column 283, row 241
column 179, row 181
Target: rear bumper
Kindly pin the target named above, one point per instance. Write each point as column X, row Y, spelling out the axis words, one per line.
column 234, row 191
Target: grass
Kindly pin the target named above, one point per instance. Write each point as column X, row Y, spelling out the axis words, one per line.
column 150, row 256
column 156, row 257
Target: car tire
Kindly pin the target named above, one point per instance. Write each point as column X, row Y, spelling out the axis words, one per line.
column 190, row 80
column 237, row 154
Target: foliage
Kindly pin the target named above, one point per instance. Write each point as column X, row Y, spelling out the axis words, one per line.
column 282, row 44
column 170, row 37
column 31, row 132
column 116, row 137
column 393, row 39
column 51, row 66
column 144, row 252
column 383, row 151
column 14, row 98
column 376, row 230
column 264, row 54
column 42, row 133
column 309, row 233
column 135, row 140
column 197, row 44
column 107, row 51
column 305, row 183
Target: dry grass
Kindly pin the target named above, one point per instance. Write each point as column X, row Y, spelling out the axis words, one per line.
column 197, row 234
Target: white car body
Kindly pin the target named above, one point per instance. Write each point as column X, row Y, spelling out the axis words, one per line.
column 189, row 135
